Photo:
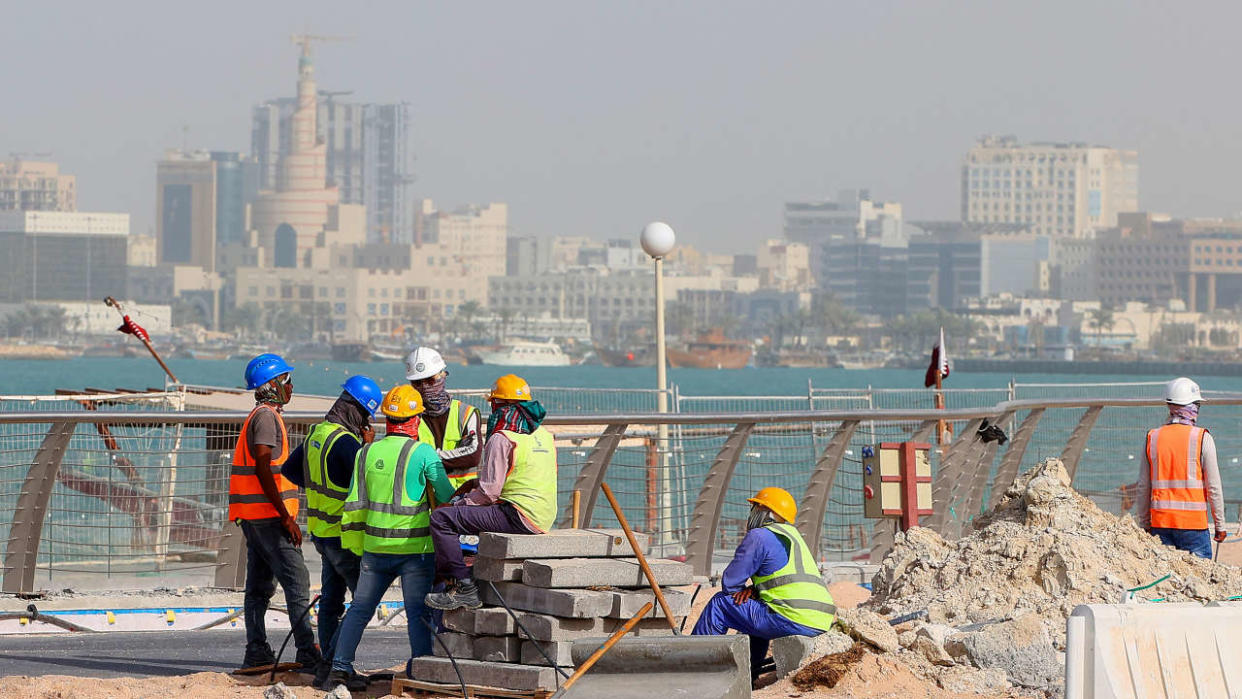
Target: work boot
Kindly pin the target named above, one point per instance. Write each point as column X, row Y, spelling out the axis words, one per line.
column 321, row 674
column 309, row 658
column 258, row 657
column 464, row 594
column 352, row 681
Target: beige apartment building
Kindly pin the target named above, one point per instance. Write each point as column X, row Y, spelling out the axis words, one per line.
column 28, row 185
column 1059, row 189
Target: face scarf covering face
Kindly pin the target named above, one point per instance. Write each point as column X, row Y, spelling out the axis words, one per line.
column 435, row 396
column 1184, row 414
column 409, row 428
column 508, row 416
column 759, row 516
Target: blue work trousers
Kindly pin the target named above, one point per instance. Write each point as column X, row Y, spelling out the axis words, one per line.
column 753, row 618
column 339, row 573
column 1196, row 541
column 379, row 570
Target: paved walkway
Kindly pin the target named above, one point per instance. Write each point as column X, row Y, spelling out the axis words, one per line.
column 163, row 652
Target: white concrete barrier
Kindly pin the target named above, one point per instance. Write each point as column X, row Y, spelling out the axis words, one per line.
column 1154, row 650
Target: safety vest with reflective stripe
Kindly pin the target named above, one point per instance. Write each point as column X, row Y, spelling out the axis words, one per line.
column 530, row 485
column 796, row 591
column 379, row 515
column 324, row 499
column 1178, row 493
column 459, row 416
column 246, row 498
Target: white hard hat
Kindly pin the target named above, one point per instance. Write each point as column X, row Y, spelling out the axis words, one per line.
column 423, row 363
column 1182, row 391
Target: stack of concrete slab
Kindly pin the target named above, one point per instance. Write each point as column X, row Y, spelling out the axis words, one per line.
column 563, row 586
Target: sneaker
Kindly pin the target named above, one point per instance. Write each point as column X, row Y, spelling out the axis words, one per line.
column 351, row 681
column 309, row 658
column 261, row 657
column 464, row 594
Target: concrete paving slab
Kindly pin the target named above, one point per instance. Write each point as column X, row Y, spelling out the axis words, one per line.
column 684, row 666
column 615, row 572
column 563, row 603
column 560, row 543
column 503, row 675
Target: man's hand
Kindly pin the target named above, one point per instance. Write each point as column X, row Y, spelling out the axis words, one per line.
column 368, row 434
column 744, row 595
column 292, row 531
column 466, row 488
column 1220, row 536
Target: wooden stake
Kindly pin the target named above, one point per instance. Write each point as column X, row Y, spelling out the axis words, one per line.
column 575, row 500
column 642, row 560
column 612, row 640
column 112, row 302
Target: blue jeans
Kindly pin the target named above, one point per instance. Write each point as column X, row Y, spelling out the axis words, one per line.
column 379, row 570
column 753, row 618
column 340, row 573
column 1196, row 541
column 270, row 557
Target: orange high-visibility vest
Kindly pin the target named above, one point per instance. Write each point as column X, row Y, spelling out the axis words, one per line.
column 246, row 497
column 1178, row 492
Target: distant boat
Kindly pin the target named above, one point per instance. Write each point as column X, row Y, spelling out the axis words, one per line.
column 711, row 350
column 209, row 353
column 864, row 360
column 387, row 354
column 524, row 354
column 350, row 352
column 640, row 356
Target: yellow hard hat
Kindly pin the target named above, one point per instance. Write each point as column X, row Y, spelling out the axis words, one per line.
column 778, row 500
column 402, row 402
column 510, row 387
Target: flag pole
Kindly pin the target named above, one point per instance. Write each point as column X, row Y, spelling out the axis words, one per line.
column 113, row 302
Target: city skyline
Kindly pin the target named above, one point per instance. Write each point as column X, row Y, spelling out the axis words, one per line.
column 593, row 119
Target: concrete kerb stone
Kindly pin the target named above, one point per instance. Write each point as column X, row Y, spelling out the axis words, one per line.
column 503, row 675
column 639, row 668
column 560, row 543
column 627, row 604
column 615, row 572
column 486, row 621
column 558, row 650
column 562, row 603
column 500, row 649
column 543, row 627
column 459, row 645
column 497, row 569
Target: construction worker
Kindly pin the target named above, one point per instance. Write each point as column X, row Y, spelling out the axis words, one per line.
column 514, row 493
column 265, row 504
column 326, row 458
column 447, row 424
column 1179, row 477
column 786, row 596
column 396, row 483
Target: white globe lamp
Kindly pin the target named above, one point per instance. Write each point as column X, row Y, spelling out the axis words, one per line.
column 657, row 239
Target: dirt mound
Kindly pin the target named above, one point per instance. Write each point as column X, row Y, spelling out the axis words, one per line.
column 999, row 597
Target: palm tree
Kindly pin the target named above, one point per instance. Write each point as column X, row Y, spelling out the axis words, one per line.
column 1101, row 320
column 468, row 311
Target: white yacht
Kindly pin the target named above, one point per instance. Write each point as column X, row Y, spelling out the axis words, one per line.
column 525, row 354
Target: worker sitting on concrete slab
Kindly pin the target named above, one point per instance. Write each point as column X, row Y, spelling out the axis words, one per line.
column 515, row 492
column 787, row 595
column 385, row 520
column 1179, row 477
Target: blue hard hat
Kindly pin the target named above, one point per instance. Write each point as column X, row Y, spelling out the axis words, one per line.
column 365, row 391
column 264, row 368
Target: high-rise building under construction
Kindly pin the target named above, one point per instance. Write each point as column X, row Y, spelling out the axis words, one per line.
column 367, row 157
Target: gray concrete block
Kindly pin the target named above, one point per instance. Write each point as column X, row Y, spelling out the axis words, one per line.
column 497, row 569
column 459, row 645
column 559, row 650
column 487, row 621
column 503, row 675
column 543, row 627
column 498, row 649
column 616, row 572
column 560, row 543
column 682, row 666
column 627, row 604
column 564, row 603
column 459, row 620
column 857, row 573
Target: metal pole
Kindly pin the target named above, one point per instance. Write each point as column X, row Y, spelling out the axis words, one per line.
column 666, row 504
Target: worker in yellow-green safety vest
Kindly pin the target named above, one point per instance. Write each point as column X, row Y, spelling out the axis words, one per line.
column 787, row 595
column 323, row 466
column 397, row 481
column 449, row 425
column 515, row 491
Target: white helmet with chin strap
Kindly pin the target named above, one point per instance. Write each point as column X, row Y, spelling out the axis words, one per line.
column 1182, row 391
column 423, row 363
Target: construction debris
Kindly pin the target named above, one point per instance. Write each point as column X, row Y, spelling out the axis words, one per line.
column 996, row 601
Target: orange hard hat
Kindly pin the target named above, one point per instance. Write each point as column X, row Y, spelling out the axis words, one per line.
column 510, row 387
column 402, row 402
column 778, row 500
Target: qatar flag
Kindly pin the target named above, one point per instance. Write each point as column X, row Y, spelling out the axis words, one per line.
column 939, row 364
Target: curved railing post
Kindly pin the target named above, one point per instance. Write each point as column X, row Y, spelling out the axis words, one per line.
column 951, row 471
column 701, row 540
column 22, row 554
column 1011, row 462
column 591, row 475
column 819, row 486
column 1072, row 454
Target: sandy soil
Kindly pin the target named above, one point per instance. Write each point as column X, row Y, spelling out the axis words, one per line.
column 204, row 685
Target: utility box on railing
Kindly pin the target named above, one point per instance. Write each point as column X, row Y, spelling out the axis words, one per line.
column 897, row 481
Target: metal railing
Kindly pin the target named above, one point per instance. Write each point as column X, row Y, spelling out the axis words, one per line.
column 121, row 493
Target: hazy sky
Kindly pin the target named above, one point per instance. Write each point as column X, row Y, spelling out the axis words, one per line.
column 594, row 118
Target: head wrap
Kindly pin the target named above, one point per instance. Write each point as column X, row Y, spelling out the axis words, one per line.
column 275, row 392
column 523, row 418
column 349, row 413
column 408, row 428
column 1184, row 414
column 435, row 395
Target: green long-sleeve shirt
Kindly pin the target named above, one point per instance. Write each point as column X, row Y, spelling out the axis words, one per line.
column 425, row 467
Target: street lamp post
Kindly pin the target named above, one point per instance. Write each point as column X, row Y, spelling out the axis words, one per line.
column 658, row 240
